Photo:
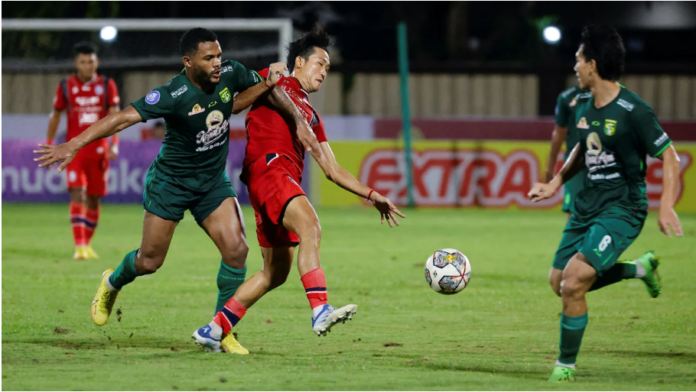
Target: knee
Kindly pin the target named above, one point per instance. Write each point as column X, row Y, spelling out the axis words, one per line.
column 150, row 261
column 277, row 280
column 311, row 232
column 571, row 287
column 235, row 256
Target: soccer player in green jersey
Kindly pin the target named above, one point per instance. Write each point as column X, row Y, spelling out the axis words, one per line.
column 189, row 172
column 616, row 130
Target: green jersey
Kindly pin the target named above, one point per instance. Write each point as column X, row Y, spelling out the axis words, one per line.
column 565, row 110
column 615, row 140
column 195, row 147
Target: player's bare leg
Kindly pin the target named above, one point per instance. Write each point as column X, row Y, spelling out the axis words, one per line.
column 93, row 204
column 301, row 219
column 157, row 236
column 216, row 336
column 225, row 226
column 578, row 277
column 555, row 278
column 77, row 220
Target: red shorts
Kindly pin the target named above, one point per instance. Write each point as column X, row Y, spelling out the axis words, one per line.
column 89, row 171
column 273, row 181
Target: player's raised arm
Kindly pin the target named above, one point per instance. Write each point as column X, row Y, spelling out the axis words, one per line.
column 105, row 127
column 572, row 166
column 335, row 173
column 247, row 97
column 280, row 101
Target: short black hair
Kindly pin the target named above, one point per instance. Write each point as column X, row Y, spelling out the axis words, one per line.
column 304, row 46
column 188, row 44
column 604, row 45
column 85, row 47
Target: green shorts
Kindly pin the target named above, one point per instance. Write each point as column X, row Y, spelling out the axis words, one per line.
column 168, row 200
column 571, row 188
column 601, row 239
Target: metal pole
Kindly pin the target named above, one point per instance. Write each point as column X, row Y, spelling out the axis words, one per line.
column 405, row 109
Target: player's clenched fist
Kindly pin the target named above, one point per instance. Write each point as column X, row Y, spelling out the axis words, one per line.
column 275, row 72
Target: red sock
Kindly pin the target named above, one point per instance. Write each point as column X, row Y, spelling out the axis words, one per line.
column 91, row 221
column 77, row 219
column 314, row 283
column 230, row 315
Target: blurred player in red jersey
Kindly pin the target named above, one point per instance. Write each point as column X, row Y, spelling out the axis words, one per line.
column 273, row 167
column 87, row 97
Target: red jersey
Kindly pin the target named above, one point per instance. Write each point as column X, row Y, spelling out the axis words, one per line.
column 268, row 132
column 86, row 103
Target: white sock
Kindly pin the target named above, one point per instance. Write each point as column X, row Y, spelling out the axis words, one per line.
column 317, row 310
column 109, row 286
column 564, row 365
column 640, row 270
column 215, row 330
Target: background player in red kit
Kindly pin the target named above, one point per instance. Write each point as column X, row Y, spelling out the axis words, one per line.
column 87, row 97
column 272, row 170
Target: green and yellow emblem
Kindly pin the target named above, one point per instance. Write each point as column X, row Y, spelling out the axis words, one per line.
column 225, row 95
column 609, row 127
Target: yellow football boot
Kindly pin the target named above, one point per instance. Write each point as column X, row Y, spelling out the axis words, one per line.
column 80, row 253
column 104, row 301
column 231, row 345
column 91, row 254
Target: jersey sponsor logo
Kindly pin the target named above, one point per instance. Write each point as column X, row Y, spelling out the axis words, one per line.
column 87, row 101
column 583, row 124
column 180, row 91
column 75, row 90
column 210, row 105
column 595, row 158
column 661, row 139
column 86, row 88
column 88, row 118
column 226, row 68
column 584, row 95
column 225, row 95
column 625, row 104
column 152, row 97
column 574, row 101
column 98, row 89
column 217, row 128
column 595, row 123
column 196, row 109
column 609, row 127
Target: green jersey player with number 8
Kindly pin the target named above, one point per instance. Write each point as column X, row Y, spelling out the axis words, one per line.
column 615, row 130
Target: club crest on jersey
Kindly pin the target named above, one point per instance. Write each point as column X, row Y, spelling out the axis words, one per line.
column 583, row 124
column 98, row 89
column 196, row 109
column 594, row 145
column 152, row 97
column 225, row 95
column 609, row 127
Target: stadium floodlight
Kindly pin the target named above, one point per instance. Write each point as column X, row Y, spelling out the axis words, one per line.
column 108, row 33
column 552, row 35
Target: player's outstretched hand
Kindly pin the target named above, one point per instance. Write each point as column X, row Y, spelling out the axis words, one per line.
column 668, row 222
column 275, row 72
column 51, row 154
column 541, row 192
column 386, row 208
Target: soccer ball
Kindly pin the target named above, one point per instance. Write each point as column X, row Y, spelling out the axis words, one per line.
column 447, row 271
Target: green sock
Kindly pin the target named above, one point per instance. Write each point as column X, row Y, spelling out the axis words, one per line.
column 228, row 281
column 125, row 272
column 624, row 269
column 572, row 329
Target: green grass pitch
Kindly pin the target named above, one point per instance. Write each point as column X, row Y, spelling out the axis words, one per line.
column 500, row 333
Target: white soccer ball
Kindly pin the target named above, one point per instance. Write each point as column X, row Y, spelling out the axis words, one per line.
column 447, row 271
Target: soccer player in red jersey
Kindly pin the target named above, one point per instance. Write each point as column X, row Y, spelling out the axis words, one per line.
column 87, row 97
column 272, row 170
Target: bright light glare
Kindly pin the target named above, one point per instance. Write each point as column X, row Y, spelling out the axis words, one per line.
column 552, row 34
column 108, row 33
